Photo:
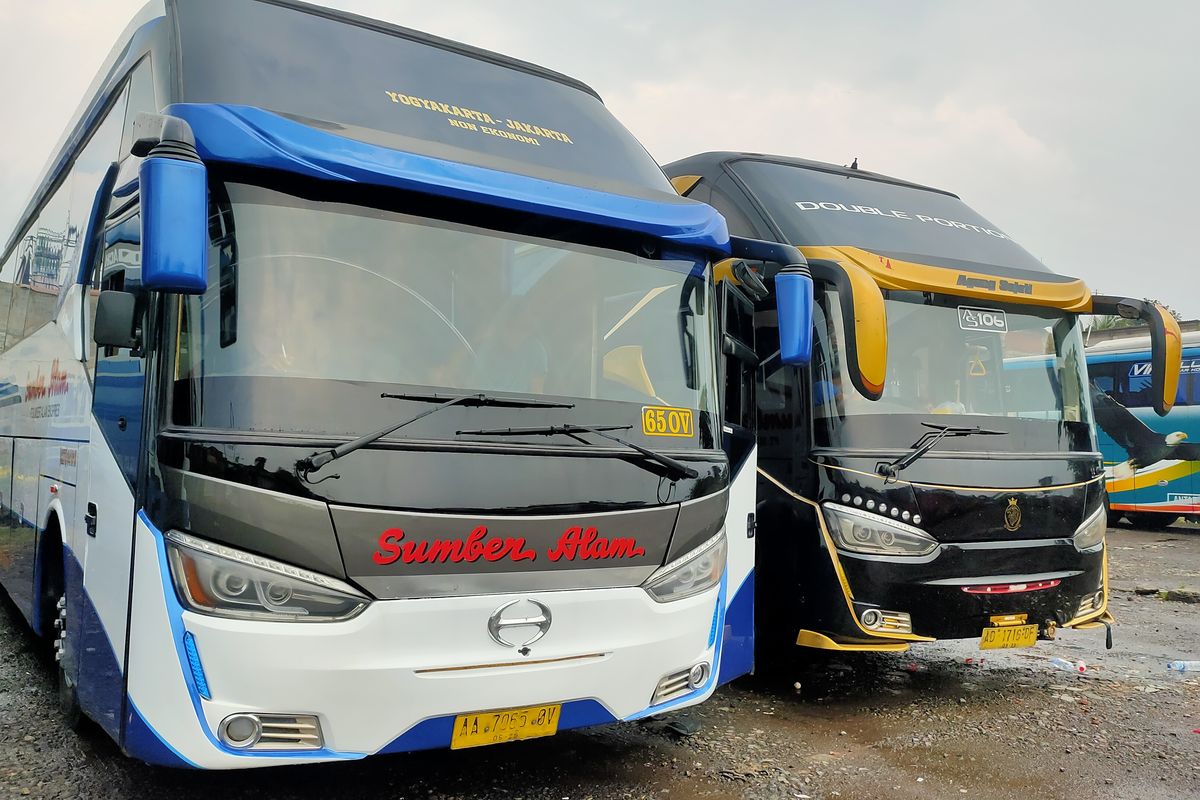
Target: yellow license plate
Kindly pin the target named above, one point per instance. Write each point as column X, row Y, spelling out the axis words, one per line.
column 667, row 421
column 509, row 725
column 1012, row 636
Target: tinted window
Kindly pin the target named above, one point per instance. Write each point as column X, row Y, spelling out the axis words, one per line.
column 404, row 94
column 141, row 98
column 822, row 208
column 6, row 274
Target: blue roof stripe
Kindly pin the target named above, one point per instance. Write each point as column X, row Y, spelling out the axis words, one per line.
column 251, row 136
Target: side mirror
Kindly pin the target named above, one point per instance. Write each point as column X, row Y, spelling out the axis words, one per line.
column 1166, row 344
column 749, row 279
column 793, row 295
column 173, row 184
column 794, row 301
column 116, row 317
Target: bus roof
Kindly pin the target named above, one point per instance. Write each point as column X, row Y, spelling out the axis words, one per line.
column 382, row 85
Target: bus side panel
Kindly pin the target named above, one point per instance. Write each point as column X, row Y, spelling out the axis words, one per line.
column 737, row 653
column 8, row 517
column 104, row 600
column 21, row 534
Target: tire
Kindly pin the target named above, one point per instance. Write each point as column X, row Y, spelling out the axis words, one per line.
column 68, row 696
column 1151, row 520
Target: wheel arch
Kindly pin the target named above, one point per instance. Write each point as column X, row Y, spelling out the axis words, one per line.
column 49, row 577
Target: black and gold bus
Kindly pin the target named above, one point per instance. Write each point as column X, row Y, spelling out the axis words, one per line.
column 934, row 472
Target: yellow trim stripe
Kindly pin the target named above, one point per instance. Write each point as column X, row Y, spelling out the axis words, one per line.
column 1102, row 612
column 1141, row 480
column 684, row 183
column 837, row 567
column 891, row 273
column 823, row 642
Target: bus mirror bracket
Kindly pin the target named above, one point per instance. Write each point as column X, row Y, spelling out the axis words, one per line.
column 793, row 295
column 173, row 184
column 1166, row 343
column 116, row 320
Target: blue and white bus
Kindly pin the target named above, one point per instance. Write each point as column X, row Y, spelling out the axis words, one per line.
column 363, row 392
column 1152, row 463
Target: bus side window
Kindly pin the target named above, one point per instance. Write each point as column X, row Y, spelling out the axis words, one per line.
column 6, row 292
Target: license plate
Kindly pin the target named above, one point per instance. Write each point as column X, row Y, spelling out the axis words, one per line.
column 1012, row 636
column 509, row 725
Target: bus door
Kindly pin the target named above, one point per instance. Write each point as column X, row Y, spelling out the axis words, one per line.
column 118, row 380
column 739, row 363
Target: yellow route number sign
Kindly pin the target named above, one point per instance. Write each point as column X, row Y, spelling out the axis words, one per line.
column 668, row 421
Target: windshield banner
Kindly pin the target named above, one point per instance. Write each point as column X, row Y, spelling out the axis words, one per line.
column 993, row 320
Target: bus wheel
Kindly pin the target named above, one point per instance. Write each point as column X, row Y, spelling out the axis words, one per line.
column 1151, row 520
column 68, row 697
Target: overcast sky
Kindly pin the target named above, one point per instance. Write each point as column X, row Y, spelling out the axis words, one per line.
column 1072, row 125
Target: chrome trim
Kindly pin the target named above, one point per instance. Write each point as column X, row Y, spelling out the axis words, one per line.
column 1010, row 544
column 497, row 624
column 464, row 584
column 984, row 580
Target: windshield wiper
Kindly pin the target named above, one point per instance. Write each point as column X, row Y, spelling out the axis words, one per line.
column 312, row 463
column 926, row 443
column 677, row 468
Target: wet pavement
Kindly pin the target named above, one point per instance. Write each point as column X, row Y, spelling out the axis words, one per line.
column 943, row 720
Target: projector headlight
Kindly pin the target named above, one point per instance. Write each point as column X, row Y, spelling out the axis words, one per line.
column 1091, row 532
column 215, row 579
column 863, row 532
column 691, row 573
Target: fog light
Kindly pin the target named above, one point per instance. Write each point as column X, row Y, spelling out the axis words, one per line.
column 263, row 731
column 698, row 675
column 241, row 730
column 879, row 619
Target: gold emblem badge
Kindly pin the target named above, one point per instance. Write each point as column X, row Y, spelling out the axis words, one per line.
column 1012, row 515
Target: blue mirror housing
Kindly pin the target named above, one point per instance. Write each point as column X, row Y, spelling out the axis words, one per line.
column 173, row 184
column 174, row 194
column 794, row 302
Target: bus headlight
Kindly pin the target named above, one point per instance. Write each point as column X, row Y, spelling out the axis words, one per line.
column 216, row 579
column 863, row 532
column 691, row 573
column 1091, row 532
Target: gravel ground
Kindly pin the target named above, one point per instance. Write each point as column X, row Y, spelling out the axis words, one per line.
column 939, row 721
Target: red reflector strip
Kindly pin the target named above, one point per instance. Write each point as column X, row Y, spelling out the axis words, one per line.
column 1011, row 588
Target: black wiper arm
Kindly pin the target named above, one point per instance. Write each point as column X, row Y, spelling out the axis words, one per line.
column 676, row 467
column 314, row 462
column 927, row 443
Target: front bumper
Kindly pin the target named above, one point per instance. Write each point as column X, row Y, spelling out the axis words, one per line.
column 393, row 678
column 932, row 590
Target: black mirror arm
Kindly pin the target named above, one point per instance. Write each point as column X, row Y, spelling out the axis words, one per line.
column 759, row 250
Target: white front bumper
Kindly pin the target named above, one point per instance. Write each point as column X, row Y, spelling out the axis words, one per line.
column 399, row 663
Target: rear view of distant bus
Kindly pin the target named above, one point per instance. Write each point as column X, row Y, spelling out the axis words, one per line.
column 1151, row 463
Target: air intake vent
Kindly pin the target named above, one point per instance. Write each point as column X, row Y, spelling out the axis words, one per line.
column 671, row 685
column 287, row 732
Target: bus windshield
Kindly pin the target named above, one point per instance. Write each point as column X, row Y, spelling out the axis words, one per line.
column 304, row 291
column 1015, row 368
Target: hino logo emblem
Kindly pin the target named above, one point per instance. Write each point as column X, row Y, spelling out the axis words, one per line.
column 508, row 617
